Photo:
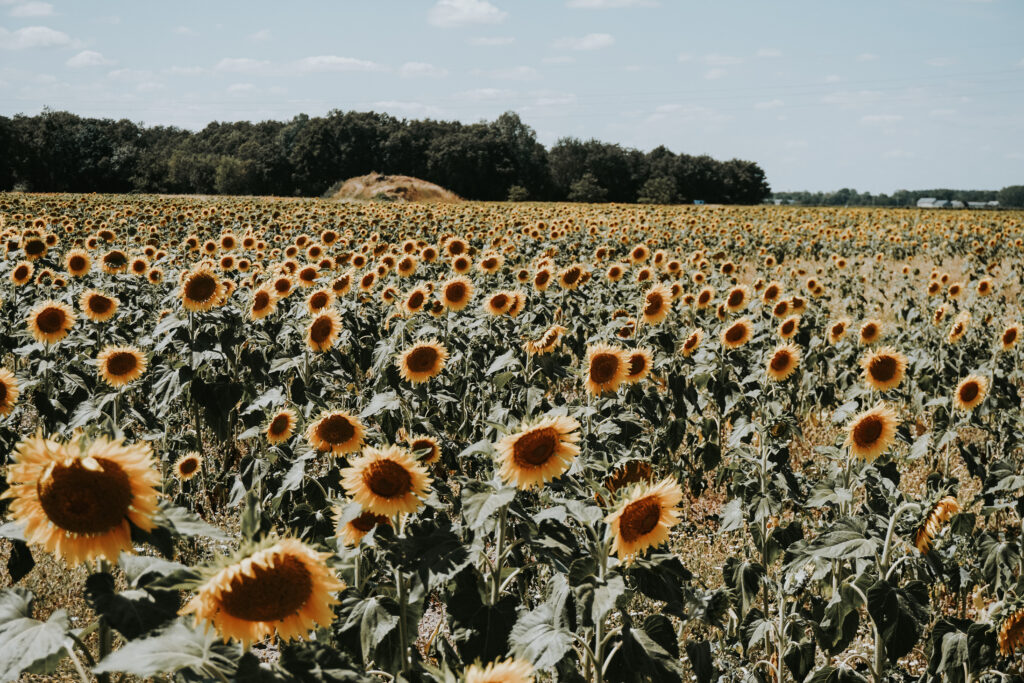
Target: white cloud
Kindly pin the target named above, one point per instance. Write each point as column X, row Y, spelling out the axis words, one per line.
column 606, row 4
column 940, row 61
column 32, row 9
column 591, row 41
column 867, row 57
column 450, row 13
column 262, row 34
column 421, row 70
column 770, row 104
column 515, row 73
column 713, row 74
column 720, row 60
column 769, row 52
column 880, row 119
column 408, row 108
column 492, row 41
column 242, row 65
column 184, row 70
column 335, row 63
column 88, row 58
column 185, row 31
column 32, row 36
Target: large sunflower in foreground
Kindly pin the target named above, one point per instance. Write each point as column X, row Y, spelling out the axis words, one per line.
column 422, row 361
column 884, row 369
column 870, row 433
column 120, row 365
column 643, row 519
column 386, row 481
column 50, row 321
column 283, row 588
column 335, row 431
column 507, row 671
column 77, row 499
column 201, row 290
column 539, row 452
column 8, row 392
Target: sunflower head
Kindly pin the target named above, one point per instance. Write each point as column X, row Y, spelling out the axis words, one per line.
column 638, row 365
column 120, row 365
column 607, row 367
column 422, row 361
column 971, row 392
column 870, row 433
column 737, row 334
column 884, row 369
column 50, row 321
column 281, row 426
column 693, row 341
column 548, row 342
column 538, row 452
column 335, row 431
column 1008, row 339
column 783, row 362
column 657, row 304
column 264, row 302
column 1011, row 632
column 351, row 527
column 870, row 332
column 644, row 517
column 201, row 290
column 188, row 465
column 426, row 448
column 9, row 391
column 837, row 330
column 323, row 331
column 387, row 481
column 933, row 522
column 789, row 327
column 507, row 671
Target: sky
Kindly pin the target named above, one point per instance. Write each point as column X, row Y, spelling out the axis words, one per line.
column 874, row 95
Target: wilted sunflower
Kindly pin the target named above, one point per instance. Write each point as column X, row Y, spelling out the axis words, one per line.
column 353, row 531
column 456, row 293
column 870, row 332
column 97, row 306
column 201, row 290
column 507, row 671
column 1011, row 633
column 281, row 426
column 283, row 587
column 638, row 365
column 50, row 321
column 548, row 342
column 657, row 304
column 692, row 342
column 539, row 452
column 870, row 433
column 77, row 262
column 386, row 481
column 8, row 391
column 937, row 518
column 837, row 330
column 606, row 368
column 783, row 362
column 120, row 365
column 323, row 330
column 335, row 431
column 737, row 334
column 971, row 392
column 884, row 369
column 77, row 499
column 1008, row 339
column 422, row 361
column 188, row 465
column 643, row 519
column 789, row 327
column 263, row 303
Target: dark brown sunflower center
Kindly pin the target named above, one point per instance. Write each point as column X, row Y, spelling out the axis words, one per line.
column 270, row 593
column 387, row 479
column 307, row 274
column 735, row 334
column 787, row 327
column 321, row 329
column 883, row 368
column 780, row 361
column 122, row 363
column 116, row 259
column 535, row 448
column 630, row 473
column 85, row 501
column 735, row 299
column 958, row 329
column 771, row 293
column 279, row 425
column 1010, row 336
column 100, row 304
column 969, row 392
column 367, row 279
column 869, row 332
column 838, row 329
column 188, row 466
column 690, row 342
column 282, row 284
column 704, row 297
column 35, row 247
column 867, row 431
column 424, row 446
column 3, row 393
column 542, row 277
column 571, row 275
column 490, row 263
column 639, row 518
column 781, row 308
column 603, row 367
column 654, row 303
column 455, row 292
column 51, row 320
column 422, row 359
column 21, row 272
column 200, row 287
column 139, row 266
column 367, row 521
column 261, row 300
column 335, row 429
column 637, row 364
column 416, row 300
column 499, row 301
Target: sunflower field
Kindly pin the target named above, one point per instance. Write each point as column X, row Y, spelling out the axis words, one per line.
column 298, row 440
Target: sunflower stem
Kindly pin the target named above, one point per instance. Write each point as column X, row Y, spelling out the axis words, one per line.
column 499, row 556
column 105, row 636
column 884, row 562
column 78, row 666
column 402, row 609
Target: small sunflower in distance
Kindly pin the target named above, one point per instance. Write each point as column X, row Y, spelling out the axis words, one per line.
column 77, row 499
column 884, row 369
column 783, row 362
column 870, row 332
column 606, row 368
column 282, row 588
column 188, row 465
column 120, row 365
column 870, row 433
column 281, row 426
column 971, row 392
column 337, row 432
column 386, row 481
column 837, row 330
column 539, row 452
column 422, row 361
column 50, row 321
column 507, row 671
column 644, row 518
column 1008, row 339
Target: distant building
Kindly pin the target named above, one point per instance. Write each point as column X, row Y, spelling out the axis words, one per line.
column 926, row 202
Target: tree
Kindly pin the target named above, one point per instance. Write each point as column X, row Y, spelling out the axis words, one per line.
column 518, row 193
column 660, row 190
column 587, row 189
column 1012, row 195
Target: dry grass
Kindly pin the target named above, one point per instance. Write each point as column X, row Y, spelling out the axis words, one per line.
column 393, row 188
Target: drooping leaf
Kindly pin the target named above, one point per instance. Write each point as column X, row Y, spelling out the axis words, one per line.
column 172, row 649
column 537, row 639
column 26, row 644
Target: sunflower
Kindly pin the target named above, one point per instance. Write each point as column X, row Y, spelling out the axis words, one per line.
column 97, row 306
column 8, row 392
column 870, row 332
column 319, row 300
column 939, row 515
column 281, row 426
column 638, row 365
column 77, row 499
column 789, row 327
column 837, row 330
column 772, row 292
column 508, row 671
column 693, row 342
column 657, row 304
column 971, row 392
column 499, row 303
column 705, row 297
column 542, row 279
column 737, row 334
column 120, row 365
column 462, row 264
column 1008, row 339
column 78, row 262
column 425, row 448
column 263, row 303
column 1011, row 633
column 201, row 290
column 114, row 261
column 50, row 321
column 386, row 481
column 570, row 277
column 422, row 361
column 22, row 273
column 737, row 298
column 353, row 531
column 606, row 368
column 335, row 431
column 283, row 588
column 958, row 329
column 538, row 452
column 784, row 362
column 884, row 369
column 323, row 331
column 630, row 472
column 548, row 342
column 643, row 519
column 188, row 465
column 284, row 285
column 870, row 433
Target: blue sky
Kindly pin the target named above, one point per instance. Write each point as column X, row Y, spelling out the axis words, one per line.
column 823, row 94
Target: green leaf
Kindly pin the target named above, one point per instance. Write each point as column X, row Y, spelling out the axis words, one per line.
column 536, row 639
column 384, row 401
column 185, row 523
column 900, row 615
column 698, row 652
column 503, row 361
column 836, row 674
column 480, row 502
column 376, row 623
column 26, row 644
column 172, row 649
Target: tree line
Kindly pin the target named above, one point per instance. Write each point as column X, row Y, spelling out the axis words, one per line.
column 1011, row 196
column 57, row 151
